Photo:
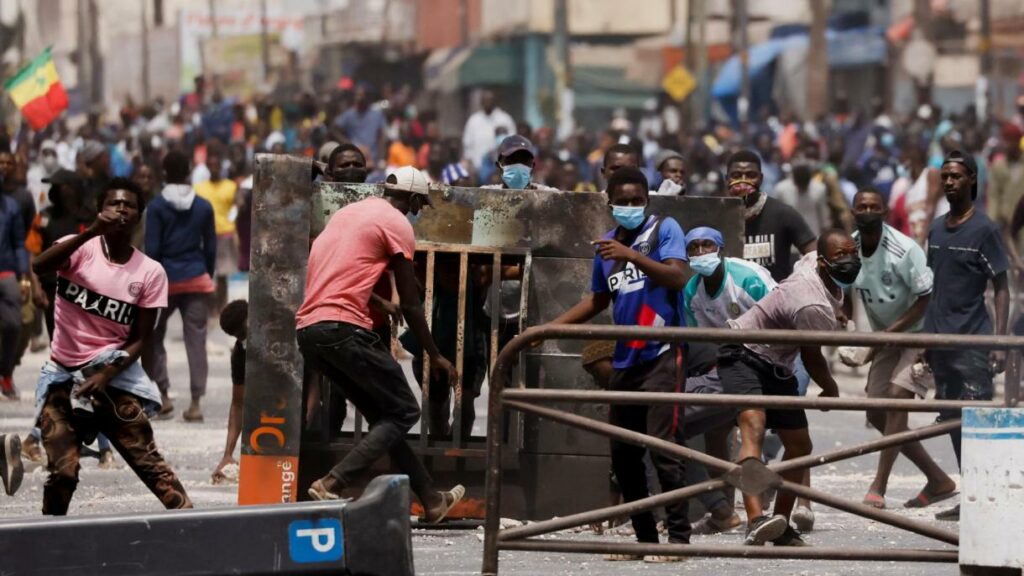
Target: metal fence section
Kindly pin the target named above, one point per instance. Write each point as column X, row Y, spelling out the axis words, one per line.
column 469, row 258
column 751, row 476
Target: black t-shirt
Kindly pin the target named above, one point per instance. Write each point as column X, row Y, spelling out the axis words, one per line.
column 963, row 260
column 238, row 364
column 773, row 235
column 26, row 205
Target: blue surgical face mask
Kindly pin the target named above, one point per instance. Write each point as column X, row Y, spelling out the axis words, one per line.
column 705, row 264
column 414, row 218
column 629, row 217
column 516, row 176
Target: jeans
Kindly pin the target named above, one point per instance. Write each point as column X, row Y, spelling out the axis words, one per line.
column 664, row 422
column 121, row 417
column 194, row 311
column 960, row 375
column 358, row 362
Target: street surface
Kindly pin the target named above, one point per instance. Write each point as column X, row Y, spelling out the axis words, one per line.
column 194, row 450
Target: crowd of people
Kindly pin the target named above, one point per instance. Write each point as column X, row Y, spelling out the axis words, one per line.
column 107, row 231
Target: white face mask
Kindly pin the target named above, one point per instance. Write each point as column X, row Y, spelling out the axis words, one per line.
column 669, row 188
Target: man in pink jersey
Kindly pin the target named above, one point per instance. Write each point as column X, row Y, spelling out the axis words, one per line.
column 108, row 295
column 362, row 241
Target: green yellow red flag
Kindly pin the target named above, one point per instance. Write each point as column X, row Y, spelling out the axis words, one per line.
column 37, row 91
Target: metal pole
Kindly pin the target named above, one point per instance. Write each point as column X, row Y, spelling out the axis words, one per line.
column 871, row 512
column 145, row 54
column 701, row 96
column 737, row 400
column 698, row 550
column 264, row 41
column 817, row 62
column 741, row 17
column 212, row 7
column 985, row 49
column 563, row 68
column 1011, row 391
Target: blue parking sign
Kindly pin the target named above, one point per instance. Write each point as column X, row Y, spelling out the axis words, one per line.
column 316, row 540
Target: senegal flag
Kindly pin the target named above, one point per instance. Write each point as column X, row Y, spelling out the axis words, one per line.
column 37, row 91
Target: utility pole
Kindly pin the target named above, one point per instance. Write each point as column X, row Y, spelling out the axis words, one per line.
column 212, row 4
column 700, row 97
column 145, row 54
column 82, row 56
column 563, row 72
column 264, row 41
column 689, row 114
column 985, row 49
column 463, row 22
column 158, row 13
column 817, row 62
column 740, row 19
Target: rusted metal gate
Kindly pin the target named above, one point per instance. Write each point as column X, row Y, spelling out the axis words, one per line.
column 547, row 233
column 752, row 476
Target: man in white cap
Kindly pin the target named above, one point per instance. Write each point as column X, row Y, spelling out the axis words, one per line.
column 336, row 335
column 46, row 165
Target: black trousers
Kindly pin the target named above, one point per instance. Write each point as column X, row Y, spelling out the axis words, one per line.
column 960, row 375
column 356, row 361
column 664, row 422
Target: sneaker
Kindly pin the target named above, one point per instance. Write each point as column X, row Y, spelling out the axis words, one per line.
column 790, row 537
column 11, row 468
column 31, row 451
column 107, row 459
column 709, row 525
column 319, row 492
column 8, row 389
column 803, row 518
column 448, row 501
column 951, row 515
column 764, row 529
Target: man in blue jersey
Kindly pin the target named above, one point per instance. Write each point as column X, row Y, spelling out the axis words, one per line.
column 639, row 269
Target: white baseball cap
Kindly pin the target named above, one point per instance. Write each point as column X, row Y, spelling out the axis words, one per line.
column 409, row 179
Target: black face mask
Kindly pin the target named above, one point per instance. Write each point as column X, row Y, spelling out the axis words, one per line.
column 844, row 270
column 350, row 175
column 868, row 221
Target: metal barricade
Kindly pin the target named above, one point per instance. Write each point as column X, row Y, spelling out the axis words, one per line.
column 751, row 477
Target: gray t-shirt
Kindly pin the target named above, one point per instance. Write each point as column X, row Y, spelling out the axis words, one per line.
column 801, row 302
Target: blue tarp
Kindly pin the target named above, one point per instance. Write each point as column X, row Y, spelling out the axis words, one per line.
column 846, row 48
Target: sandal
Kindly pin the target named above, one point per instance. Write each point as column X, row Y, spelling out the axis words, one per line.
column 875, row 500
column 623, row 558
column 925, row 498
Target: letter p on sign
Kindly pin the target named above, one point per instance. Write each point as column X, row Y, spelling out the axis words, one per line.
column 316, row 540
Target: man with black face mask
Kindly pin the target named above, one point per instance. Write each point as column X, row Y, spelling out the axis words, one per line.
column 808, row 300
column 773, row 229
column 346, row 164
column 895, row 285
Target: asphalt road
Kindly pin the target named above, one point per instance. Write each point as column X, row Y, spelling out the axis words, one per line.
column 194, row 449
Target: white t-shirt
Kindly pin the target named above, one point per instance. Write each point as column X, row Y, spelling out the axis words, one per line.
column 893, row 278
column 743, row 285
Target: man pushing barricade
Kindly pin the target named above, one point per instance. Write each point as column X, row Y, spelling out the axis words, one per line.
column 360, row 243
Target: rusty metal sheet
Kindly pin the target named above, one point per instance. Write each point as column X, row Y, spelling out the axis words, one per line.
column 552, row 224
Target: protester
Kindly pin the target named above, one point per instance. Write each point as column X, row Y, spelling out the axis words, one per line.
column 180, row 235
column 808, row 300
column 13, row 271
column 671, row 167
column 222, row 194
column 46, row 167
column 638, row 268
column 515, row 163
column 773, row 229
column 363, row 124
column 965, row 253
column 722, row 289
column 335, row 337
column 108, row 296
column 482, row 128
column 895, row 285
column 807, row 195
column 234, row 321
